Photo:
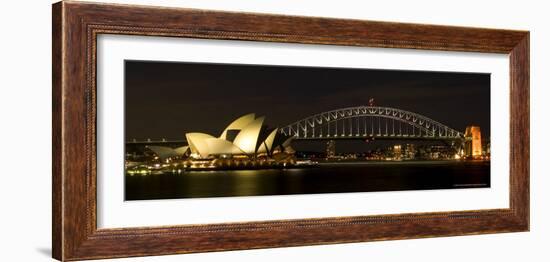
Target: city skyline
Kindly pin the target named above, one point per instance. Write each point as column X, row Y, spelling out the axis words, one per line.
column 166, row 100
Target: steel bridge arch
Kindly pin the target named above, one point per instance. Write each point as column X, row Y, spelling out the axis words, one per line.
column 427, row 127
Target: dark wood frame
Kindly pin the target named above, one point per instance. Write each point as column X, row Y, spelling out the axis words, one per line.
column 76, row 26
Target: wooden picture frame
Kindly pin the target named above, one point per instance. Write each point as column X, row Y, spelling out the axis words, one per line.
column 76, row 26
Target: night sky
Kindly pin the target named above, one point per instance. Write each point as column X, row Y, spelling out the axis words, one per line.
column 169, row 99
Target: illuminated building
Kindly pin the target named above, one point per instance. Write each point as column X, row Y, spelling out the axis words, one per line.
column 472, row 147
column 410, row 151
column 165, row 152
column 331, row 149
column 246, row 136
column 397, row 152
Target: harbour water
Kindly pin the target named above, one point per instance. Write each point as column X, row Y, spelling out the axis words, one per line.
column 339, row 177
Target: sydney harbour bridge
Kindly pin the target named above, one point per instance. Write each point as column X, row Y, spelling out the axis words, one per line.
column 361, row 123
column 370, row 122
column 367, row 123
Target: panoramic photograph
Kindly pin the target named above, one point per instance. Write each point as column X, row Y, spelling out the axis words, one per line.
column 198, row 130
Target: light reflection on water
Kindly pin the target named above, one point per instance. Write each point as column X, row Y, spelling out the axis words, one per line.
column 325, row 178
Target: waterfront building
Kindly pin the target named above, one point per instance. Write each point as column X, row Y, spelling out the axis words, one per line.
column 331, row 149
column 472, row 145
column 164, row 152
column 410, row 152
column 246, row 136
column 397, row 152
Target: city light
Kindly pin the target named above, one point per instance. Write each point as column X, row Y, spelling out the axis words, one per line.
column 247, row 144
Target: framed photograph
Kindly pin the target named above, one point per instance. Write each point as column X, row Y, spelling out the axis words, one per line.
column 182, row 130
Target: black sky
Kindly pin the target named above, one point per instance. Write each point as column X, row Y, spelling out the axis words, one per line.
column 167, row 99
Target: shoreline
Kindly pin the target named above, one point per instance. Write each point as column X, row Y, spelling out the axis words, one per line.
column 305, row 166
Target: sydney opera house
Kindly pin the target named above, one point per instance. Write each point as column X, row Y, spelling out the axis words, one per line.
column 247, row 136
column 244, row 143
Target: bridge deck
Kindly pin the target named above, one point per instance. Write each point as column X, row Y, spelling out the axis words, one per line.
column 395, row 137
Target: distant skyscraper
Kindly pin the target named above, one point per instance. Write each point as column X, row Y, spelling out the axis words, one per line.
column 410, row 151
column 397, row 152
column 331, row 149
column 472, row 146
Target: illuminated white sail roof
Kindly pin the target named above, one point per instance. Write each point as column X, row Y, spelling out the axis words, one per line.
column 217, row 146
column 267, row 145
column 181, row 150
column 238, row 124
column 166, row 152
column 162, row 151
column 197, row 143
column 247, row 139
column 246, row 142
